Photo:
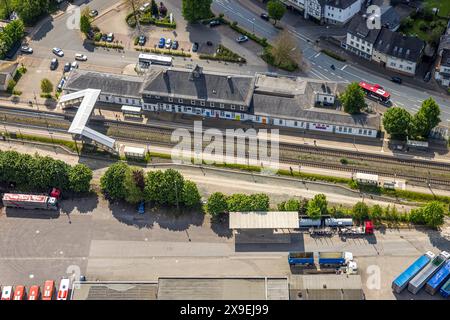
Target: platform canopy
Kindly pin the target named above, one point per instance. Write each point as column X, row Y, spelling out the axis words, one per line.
column 264, row 220
column 88, row 99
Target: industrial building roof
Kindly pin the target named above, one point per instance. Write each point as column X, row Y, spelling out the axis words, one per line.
column 115, row 291
column 78, row 126
column 256, row 288
column 264, row 220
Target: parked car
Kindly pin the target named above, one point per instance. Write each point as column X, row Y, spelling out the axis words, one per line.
column 49, row 289
column 61, row 84
column 396, row 80
column 209, row 43
column 93, row 13
column 67, row 67
column 74, row 65
column 142, row 40
column 34, row 292
column 162, row 42
column 54, row 64
column 80, row 57
column 214, row 23
column 168, row 43
column 144, row 7
column 82, row 278
column 195, row 47
column 58, row 52
column 110, row 37
column 7, row 293
column 333, row 67
column 242, row 39
column 141, row 207
column 19, row 293
column 26, row 49
column 174, row 44
column 63, row 292
column 104, row 37
column 427, row 76
column 265, row 16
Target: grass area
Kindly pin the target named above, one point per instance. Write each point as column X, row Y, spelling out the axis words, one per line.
column 69, row 144
column 443, row 5
column 287, row 65
column 425, row 25
column 147, row 19
column 223, row 54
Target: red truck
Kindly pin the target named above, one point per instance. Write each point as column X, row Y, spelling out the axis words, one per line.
column 31, row 201
column 365, row 229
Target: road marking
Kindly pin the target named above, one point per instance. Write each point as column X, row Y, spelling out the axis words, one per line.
column 321, row 74
column 320, row 67
column 317, row 55
column 344, row 67
column 333, row 73
column 400, row 104
column 313, row 63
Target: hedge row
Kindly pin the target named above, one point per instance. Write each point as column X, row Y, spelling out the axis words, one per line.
column 177, row 53
column 223, row 54
column 332, row 54
column 108, row 45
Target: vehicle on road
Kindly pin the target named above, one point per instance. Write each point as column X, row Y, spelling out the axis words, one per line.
column 397, row 80
column 162, row 42
column 7, row 292
column 242, row 39
column 168, row 43
column 67, row 66
column 26, row 49
column 214, row 23
column 420, row 279
column 33, row 293
column 19, row 293
column 301, row 258
column 63, row 291
column 74, row 65
column 30, row 201
column 265, row 16
column 142, row 40
column 333, row 67
column 427, row 77
column 195, row 47
column 110, row 37
column 141, row 207
column 438, row 279
column 48, row 291
column 335, row 258
column 174, row 45
column 401, row 282
column 149, row 59
column 58, row 52
column 93, row 13
column 54, row 64
column 376, row 92
column 209, row 43
column 80, row 57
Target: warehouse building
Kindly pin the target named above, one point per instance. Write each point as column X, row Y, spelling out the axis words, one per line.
column 293, row 102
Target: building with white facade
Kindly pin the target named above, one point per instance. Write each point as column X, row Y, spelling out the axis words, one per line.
column 398, row 52
column 304, row 104
column 442, row 73
column 341, row 11
column 360, row 39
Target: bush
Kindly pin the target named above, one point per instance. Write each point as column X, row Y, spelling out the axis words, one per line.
column 269, row 59
column 216, row 204
column 97, row 37
column 11, row 85
column 223, row 54
column 176, row 53
column 108, row 45
column 191, row 197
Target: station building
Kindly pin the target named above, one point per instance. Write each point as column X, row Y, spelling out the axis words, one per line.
column 283, row 101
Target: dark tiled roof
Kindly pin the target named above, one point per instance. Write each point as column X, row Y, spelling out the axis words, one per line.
column 358, row 28
column 389, row 17
column 122, row 85
column 293, row 108
column 341, row 4
column 397, row 45
column 209, row 86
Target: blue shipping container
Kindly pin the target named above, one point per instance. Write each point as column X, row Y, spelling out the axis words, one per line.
column 445, row 290
column 401, row 282
column 438, row 279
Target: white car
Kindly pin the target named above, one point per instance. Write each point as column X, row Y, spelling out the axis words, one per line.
column 144, row 7
column 168, row 43
column 58, row 52
column 80, row 57
column 74, row 65
column 26, row 49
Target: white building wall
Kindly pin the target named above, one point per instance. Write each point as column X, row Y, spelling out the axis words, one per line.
column 404, row 66
column 358, row 45
column 341, row 16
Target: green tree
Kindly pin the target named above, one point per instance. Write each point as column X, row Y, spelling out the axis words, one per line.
column 111, row 182
column 15, row 30
column 416, row 216
column 292, row 205
column 191, row 197
column 360, row 211
column 46, row 86
column 195, row 10
column 259, row 202
column 285, row 49
column 172, row 186
column 16, row 168
column 239, row 202
column 276, row 10
column 397, row 122
column 317, row 206
column 80, row 177
column 85, row 24
column 11, row 85
column 153, row 191
column 216, row 204
column 134, row 192
column 353, row 99
column 47, row 172
column 30, row 10
column 426, row 118
column 433, row 214
column 154, row 8
column 376, row 213
column 281, row 206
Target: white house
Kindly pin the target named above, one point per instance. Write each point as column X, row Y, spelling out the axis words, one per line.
column 360, row 39
column 443, row 68
column 341, row 11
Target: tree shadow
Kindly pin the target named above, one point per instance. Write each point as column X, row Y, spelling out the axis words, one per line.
column 83, row 204
column 43, row 30
column 32, row 214
column 296, row 244
column 220, row 226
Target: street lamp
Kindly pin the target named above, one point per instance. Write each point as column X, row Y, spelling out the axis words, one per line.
column 253, row 24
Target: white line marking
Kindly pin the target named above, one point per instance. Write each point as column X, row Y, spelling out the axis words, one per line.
column 344, row 67
column 317, row 55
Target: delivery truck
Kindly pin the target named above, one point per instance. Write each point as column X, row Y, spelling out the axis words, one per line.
column 301, row 258
column 335, row 258
column 32, row 201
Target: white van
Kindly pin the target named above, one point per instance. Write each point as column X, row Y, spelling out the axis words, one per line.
column 7, row 293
